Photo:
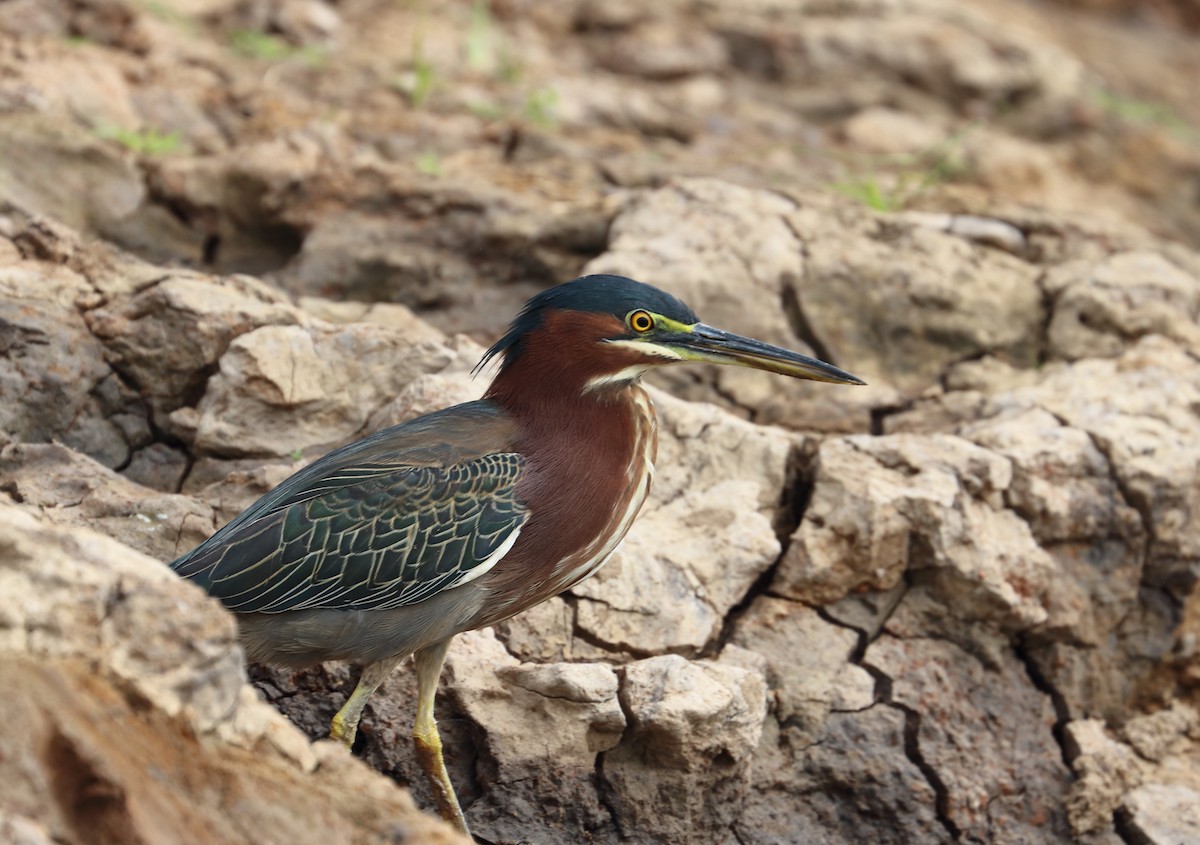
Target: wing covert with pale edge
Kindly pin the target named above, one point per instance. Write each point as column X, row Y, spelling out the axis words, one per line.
column 383, row 523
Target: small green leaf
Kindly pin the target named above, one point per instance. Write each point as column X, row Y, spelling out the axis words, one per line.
column 430, row 164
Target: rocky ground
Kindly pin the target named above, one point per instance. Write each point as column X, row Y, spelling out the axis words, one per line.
column 958, row 605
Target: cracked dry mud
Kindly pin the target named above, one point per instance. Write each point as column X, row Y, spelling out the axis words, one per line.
column 958, row 605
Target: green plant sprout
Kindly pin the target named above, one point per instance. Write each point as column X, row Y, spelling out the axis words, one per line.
column 1143, row 112
column 262, row 45
column 541, row 105
column 429, row 163
column 479, row 48
column 916, row 174
column 148, row 142
column 166, row 13
column 419, row 84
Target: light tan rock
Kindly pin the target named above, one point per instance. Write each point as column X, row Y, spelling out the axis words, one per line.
column 1106, row 770
column 1062, row 484
column 67, row 488
column 391, row 314
column 884, row 130
column 83, row 84
column 50, row 167
column 128, row 715
column 167, row 338
column 1024, row 170
column 883, row 506
column 956, row 52
column 908, row 306
column 1164, row 814
column 20, row 830
column 1155, row 736
column 283, row 388
column 545, row 725
column 456, row 383
column 705, row 535
column 1064, row 488
column 685, row 763
column 1148, row 435
column 665, row 50
column 1102, row 307
column 807, row 659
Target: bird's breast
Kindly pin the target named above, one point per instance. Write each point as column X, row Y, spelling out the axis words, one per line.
column 585, row 485
column 639, row 472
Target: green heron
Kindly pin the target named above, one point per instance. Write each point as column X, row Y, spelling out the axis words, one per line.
column 461, row 518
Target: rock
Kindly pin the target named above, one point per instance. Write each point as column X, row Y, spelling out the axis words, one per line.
column 167, row 339
column 808, row 662
column 683, row 769
column 158, row 466
column 1065, row 489
column 983, row 735
column 1163, row 814
column 83, row 85
column 286, row 388
column 884, row 130
column 988, row 231
column 544, row 634
column 418, row 254
column 1119, row 404
column 426, row 393
column 1100, row 659
column 305, row 21
column 391, row 314
column 545, row 726
column 54, row 383
column 35, row 18
column 1100, row 308
column 866, row 295
column 103, row 683
column 705, row 535
column 1062, row 484
column 1155, row 736
column 960, row 56
column 67, row 488
column 854, row 782
column 229, row 486
column 884, row 506
column 663, row 50
column 49, row 167
column 1023, row 169
column 1106, row 770
column 459, row 381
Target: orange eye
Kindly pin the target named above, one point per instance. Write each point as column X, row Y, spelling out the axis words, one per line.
column 641, row 321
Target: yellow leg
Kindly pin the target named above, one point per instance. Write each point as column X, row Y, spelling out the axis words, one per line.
column 345, row 722
column 427, row 741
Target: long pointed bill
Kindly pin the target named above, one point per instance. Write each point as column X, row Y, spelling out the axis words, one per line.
column 705, row 343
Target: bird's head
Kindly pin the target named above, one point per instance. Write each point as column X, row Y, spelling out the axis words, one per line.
column 598, row 332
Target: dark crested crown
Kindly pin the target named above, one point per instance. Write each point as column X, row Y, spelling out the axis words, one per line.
column 600, row 294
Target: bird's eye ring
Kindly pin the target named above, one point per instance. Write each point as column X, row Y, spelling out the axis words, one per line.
column 641, row 321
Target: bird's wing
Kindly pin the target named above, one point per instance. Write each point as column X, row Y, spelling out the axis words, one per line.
column 383, row 523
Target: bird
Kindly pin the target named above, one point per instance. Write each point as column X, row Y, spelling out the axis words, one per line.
column 456, row 520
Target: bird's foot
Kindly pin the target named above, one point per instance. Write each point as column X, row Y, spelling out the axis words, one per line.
column 428, row 746
column 343, row 729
